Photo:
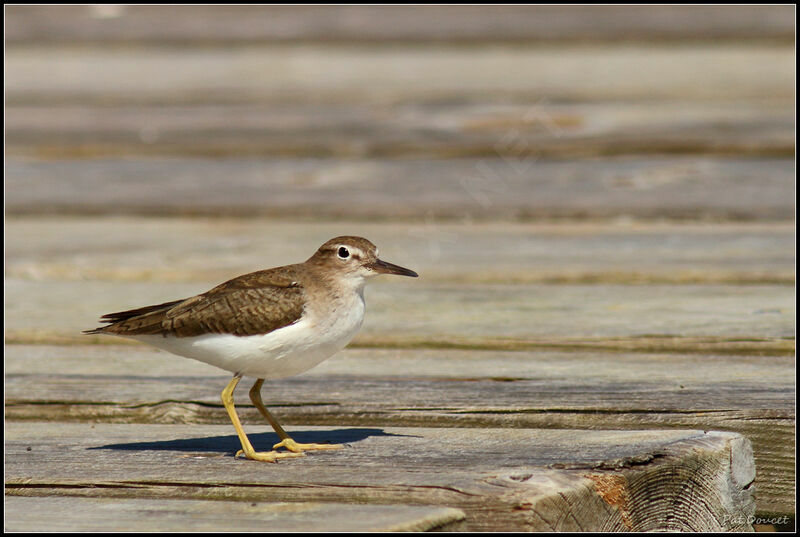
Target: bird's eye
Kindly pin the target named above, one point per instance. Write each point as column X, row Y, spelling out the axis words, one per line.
column 343, row 252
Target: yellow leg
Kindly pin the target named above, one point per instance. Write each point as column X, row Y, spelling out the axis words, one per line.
column 247, row 448
column 286, row 441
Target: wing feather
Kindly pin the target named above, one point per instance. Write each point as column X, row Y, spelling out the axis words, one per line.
column 255, row 303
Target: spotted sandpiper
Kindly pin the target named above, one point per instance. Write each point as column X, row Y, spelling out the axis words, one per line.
column 268, row 324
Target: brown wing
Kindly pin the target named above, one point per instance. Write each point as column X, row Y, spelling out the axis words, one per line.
column 255, row 303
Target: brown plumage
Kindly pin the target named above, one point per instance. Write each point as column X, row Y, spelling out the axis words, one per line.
column 255, row 303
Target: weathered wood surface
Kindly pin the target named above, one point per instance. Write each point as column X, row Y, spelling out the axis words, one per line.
column 54, row 267
column 475, row 315
column 463, row 24
column 751, row 395
column 621, row 252
column 478, row 293
column 533, row 480
column 519, row 186
column 71, row 514
column 521, row 133
column 713, row 73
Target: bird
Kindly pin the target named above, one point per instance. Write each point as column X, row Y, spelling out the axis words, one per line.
column 268, row 324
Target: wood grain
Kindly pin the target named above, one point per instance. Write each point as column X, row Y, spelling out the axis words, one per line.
column 516, row 487
column 480, row 315
column 712, row 73
column 750, row 395
column 622, row 252
column 439, row 198
column 227, row 24
column 120, row 515
column 519, row 133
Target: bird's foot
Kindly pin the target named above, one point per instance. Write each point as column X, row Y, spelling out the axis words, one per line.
column 294, row 447
column 268, row 456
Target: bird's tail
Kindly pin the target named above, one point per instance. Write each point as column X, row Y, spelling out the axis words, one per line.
column 136, row 321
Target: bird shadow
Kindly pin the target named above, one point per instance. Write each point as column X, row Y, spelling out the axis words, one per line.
column 261, row 441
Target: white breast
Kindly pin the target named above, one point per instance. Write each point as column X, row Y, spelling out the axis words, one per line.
column 283, row 352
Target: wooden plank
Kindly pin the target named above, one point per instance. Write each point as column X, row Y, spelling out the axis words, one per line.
column 475, row 315
column 506, row 480
column 155, row 249
column 421, row 364
column 517, row 134
column 464, row 195
column 520, row 393
column 454, row 24
column 750, row 395
column 308, row 74
column 72, row 514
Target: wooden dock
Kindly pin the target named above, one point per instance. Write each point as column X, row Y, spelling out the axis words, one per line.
column 600, row 202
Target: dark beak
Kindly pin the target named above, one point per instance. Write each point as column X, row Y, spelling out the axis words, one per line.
column 387, row 268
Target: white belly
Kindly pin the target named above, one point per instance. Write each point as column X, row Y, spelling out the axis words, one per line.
column 284, row 352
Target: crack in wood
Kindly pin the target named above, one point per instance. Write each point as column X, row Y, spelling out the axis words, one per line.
column 194, row 484
column 585, row 411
